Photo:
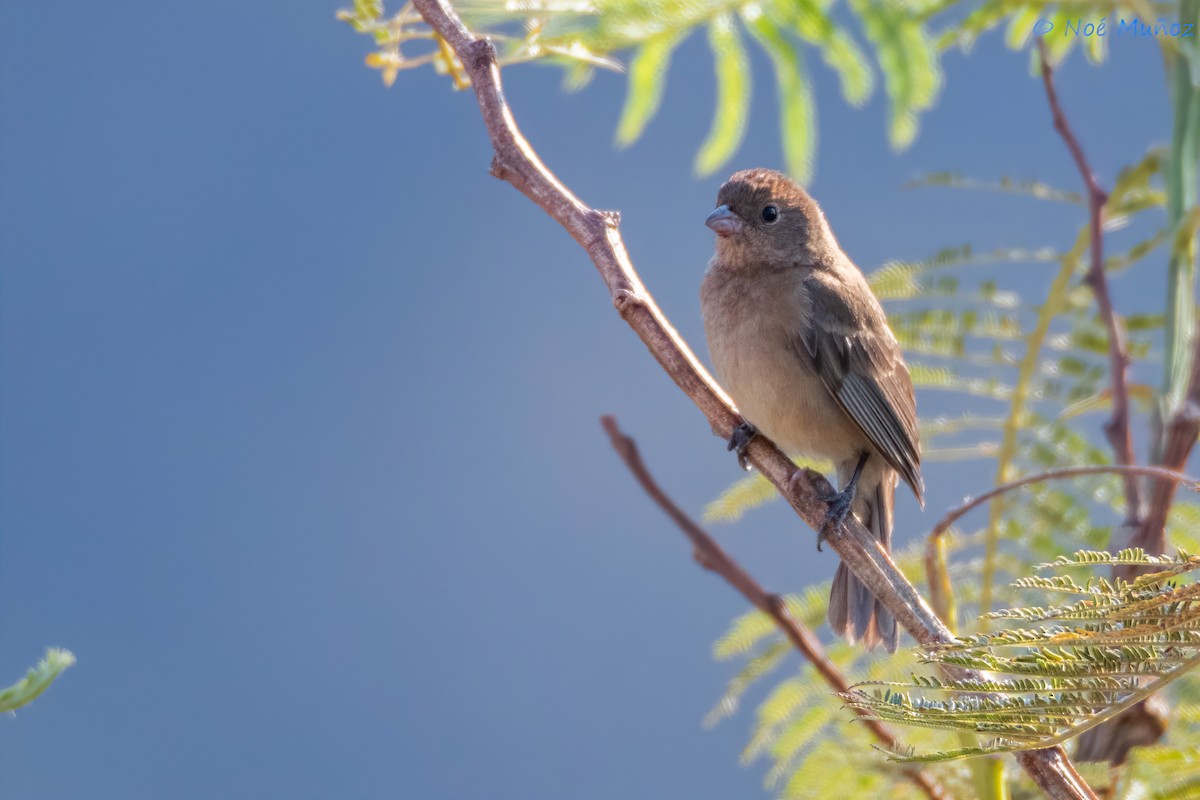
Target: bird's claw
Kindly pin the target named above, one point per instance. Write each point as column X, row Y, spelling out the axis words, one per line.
column 837, row 505
column 837, row 508
column 743, row 434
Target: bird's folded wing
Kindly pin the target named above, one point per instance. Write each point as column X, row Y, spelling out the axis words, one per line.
column 859, row 361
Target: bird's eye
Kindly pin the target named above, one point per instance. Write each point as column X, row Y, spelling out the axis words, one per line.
column 770, row 214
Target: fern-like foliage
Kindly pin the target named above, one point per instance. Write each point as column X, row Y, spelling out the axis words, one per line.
column 799, row 728
column 1066, row 667
column 972, row 335
column 585, row 36
column 1019, row 18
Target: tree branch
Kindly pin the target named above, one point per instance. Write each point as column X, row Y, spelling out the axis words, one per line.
column 711, row 556
column 1145, row 723
column 597, row 232
column 958, row 512
column 940, row 594
column 1179, row 437
column 1117, row 429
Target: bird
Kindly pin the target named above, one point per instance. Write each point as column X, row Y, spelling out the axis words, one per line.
column 802, row 346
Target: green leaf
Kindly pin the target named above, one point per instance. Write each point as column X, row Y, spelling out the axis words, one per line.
column 37, row 680
column 838, row 50
column 762, row 664
column 1095, row 49
column 986, row 450
column 797, row 735
column 746, row 493
column 941, row 426
column 946, row 378
column 751, row 492
column 979, row 21
column 908, row 60
column 1185, row 789
column 733, row 95
column 749, row 629
column 791, row 701
column 1057, row 47
column 744, row 634
column 1024, row 186
column 1020, row 27
column 1121, row 261
column 1094, row 659
column 796, row 102
column 852, row 67
column 647, row 77
column 577, row 76
column 1130, row 556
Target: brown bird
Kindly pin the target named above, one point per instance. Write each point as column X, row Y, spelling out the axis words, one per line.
column 803, row 347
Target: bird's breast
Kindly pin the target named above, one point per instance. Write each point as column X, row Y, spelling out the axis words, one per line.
column 752, row 339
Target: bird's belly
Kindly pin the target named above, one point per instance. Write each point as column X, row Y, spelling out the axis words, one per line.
column 775, row 391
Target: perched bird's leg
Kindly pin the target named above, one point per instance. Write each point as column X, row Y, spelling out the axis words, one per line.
column 743, row 434
column 838, row 503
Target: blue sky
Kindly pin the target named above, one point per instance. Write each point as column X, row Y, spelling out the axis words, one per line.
column 299, row 448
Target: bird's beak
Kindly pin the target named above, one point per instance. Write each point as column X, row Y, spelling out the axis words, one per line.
column 724, row 221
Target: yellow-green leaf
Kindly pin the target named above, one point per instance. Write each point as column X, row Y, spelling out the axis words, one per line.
column 37, row 680
column 647, row 77
column 732, row 108
column 796, row 103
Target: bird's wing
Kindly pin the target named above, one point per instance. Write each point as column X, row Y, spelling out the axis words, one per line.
column 858, row 359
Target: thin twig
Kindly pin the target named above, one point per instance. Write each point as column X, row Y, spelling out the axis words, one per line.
column 1109, row 742
column 713, row 557
column 1179, row 437
column 1117, row 429
column 597, row 232
column 936, row 576
column 1057, row 474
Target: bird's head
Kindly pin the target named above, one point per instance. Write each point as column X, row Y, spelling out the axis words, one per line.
column 764, row 217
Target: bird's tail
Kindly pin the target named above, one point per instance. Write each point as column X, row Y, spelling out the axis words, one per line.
column 853, row 611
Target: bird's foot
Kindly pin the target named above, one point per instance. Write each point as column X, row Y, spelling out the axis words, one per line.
column 743, row 434
column 837, row 505
column 837, row 508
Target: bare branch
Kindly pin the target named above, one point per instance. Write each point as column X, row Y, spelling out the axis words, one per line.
column 1179, row 437
column 1117, row 429
column 597, row 232
column 713, row 557
column 1058, row 474
column 1145, row 723
column 940, row 593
